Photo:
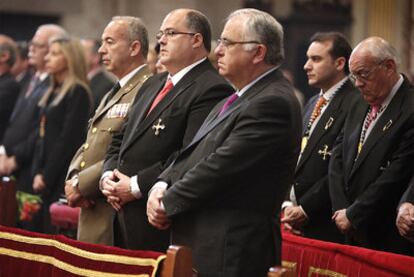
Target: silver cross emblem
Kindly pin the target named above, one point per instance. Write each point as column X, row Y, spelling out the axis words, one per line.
column 324, row 153
column 157, row 127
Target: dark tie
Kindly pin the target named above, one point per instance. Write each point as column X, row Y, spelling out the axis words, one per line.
column 112, row 92
column 228, row 102
column 167, row 87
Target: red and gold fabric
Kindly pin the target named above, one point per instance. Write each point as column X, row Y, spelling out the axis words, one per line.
column 311, row 258
column 24, row 253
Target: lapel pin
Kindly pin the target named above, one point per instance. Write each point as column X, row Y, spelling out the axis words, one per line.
column 157, row 127
column 387, row 126
column 329, row 123
column 324, row 152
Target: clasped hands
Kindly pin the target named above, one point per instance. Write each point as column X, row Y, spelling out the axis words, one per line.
column 74, row 196
column 405, row 221
column 293, row 219
column 342, row 222
column 156, row 213
column 117, row 189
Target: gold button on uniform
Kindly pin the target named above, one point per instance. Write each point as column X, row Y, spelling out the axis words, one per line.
column 82, row 164
column 94, row 130
column 109, row 129
column 85, row 146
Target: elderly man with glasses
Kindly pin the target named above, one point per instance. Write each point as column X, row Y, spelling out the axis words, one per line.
column 372, row 165
column 169, row 111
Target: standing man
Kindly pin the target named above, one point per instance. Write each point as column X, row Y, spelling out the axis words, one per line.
column 405, row 217
column 124, row 50
column 226, row 187
column 16, row 152
column 100, row 81
column 9, row 88
column 164, row 120
column 327, row 68
column 372, row 165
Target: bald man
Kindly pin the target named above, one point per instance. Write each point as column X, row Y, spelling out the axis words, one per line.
column 372, row 165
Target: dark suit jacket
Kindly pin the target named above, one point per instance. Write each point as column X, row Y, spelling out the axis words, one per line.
column 370, row 186
column 64, row 132
column 9, row 91
column 311, row 176
column 100, row 84
column 408, row 195
column 228, row 184
column 138, row 150
column 18, row 138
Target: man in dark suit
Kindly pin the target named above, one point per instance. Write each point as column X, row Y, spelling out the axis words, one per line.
column 310, row 209
column 17, row 142
column 9, row 88
column 405, row 216
column 226, row 187
column 21, row 70
column 371, row 167
column 100, row 81
column 158, row 127
column 123, row 52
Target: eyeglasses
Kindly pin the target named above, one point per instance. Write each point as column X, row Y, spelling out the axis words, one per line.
column 227, row 42
column 364, row 76
column 171, row 33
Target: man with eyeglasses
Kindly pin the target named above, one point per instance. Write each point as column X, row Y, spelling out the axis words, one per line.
column 15, row 153
column 169, row 111
column 309, row 210
column 223, row 192
column 372, row 165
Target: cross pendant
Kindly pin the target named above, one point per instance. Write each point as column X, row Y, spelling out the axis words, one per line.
column 157, row 127
column 324, row 153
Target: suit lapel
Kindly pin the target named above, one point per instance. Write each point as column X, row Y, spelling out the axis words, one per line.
column 350, row 143
column 385, row 122
column 241, row 101
column 144, row 122
column 326, row 121
column 140, row 77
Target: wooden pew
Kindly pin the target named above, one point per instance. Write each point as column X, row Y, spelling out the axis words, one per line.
column 279, row 271
column 178, row 262
column 8, row 203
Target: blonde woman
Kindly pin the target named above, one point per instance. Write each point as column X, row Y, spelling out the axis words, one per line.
column 65, row 109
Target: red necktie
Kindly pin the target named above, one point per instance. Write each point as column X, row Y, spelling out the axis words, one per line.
column 167, row 87
column 372, row 115
column 228, row 102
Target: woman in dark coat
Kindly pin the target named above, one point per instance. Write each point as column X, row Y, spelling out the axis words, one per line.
column 65, row 109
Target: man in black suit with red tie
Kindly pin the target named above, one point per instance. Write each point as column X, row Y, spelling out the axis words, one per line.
column 223, row 192
column 169, row 111
column 372, row 165
column 309, row 211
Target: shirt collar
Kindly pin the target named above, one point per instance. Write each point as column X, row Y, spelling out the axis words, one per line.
column 249, row 85
column 180, row 74
column 393, row 92
column 128, row 77
column 330, row 93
